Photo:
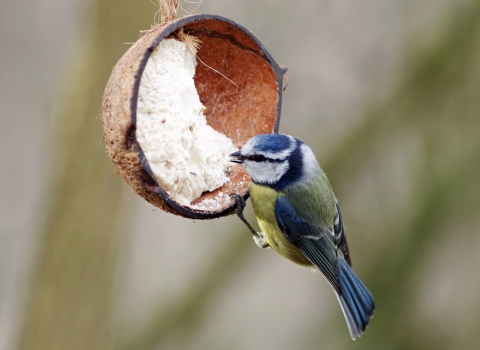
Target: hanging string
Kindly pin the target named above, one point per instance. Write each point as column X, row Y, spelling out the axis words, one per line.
column 168, row 12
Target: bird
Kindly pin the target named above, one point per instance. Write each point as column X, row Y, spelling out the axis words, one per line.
column 300, row 218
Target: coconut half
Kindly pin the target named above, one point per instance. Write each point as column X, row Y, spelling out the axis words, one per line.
column 169, row 134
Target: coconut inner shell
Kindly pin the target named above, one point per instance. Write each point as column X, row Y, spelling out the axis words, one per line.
column 239, row 88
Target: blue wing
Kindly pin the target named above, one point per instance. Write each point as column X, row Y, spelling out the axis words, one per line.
column 314, row 242
column 320, row 247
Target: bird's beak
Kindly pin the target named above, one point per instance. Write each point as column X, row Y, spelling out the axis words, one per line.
column 236, row 157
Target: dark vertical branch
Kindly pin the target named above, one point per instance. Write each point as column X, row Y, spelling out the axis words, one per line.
column 69, row 303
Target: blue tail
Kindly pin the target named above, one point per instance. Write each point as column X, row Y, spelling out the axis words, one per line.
column 356, row 301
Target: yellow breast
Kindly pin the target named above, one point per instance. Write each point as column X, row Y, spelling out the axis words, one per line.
column 263, row 200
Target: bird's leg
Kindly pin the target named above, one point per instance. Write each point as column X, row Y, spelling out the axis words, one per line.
column 239, row 211
column 258, row 237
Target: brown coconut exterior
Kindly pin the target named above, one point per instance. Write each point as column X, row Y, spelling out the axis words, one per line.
column 242, row 110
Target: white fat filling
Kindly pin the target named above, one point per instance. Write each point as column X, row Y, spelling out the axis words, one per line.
column 187, row 156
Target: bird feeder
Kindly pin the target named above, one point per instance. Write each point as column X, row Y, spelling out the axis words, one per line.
column 238, row 83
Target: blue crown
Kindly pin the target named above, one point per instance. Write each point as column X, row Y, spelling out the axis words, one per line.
column 273, row 142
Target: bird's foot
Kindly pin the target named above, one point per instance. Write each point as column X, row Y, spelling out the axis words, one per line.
column 260, row 240
column 240, row 204
column 258, row 237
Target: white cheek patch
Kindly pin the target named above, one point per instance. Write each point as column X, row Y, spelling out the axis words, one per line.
column 266, row 172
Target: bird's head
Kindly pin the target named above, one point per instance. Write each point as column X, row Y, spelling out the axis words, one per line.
column 277, row 160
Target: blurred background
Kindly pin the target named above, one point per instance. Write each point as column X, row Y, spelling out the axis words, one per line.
column 385, row 92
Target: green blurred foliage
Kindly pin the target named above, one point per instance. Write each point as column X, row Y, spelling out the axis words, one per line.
column 438, row 103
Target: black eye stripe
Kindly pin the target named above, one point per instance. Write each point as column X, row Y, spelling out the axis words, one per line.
column 258, row 158
column 261, row 158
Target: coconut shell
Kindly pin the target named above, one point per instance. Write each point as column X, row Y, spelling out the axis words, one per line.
column 242, row 110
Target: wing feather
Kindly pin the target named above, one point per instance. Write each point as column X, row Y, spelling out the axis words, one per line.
column 313, row 241
column 340, row 234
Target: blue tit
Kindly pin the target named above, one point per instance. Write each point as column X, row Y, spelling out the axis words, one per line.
column 300, row 218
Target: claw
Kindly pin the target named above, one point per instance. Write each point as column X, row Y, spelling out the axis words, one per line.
column 240, row 203
column 260, row 240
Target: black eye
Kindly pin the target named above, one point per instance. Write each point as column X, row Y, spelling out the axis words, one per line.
column 258, row 158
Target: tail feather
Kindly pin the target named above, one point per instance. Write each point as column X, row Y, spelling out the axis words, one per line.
column 356, row 301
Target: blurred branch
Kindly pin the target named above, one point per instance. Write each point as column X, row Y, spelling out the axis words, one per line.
column 69, row 303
